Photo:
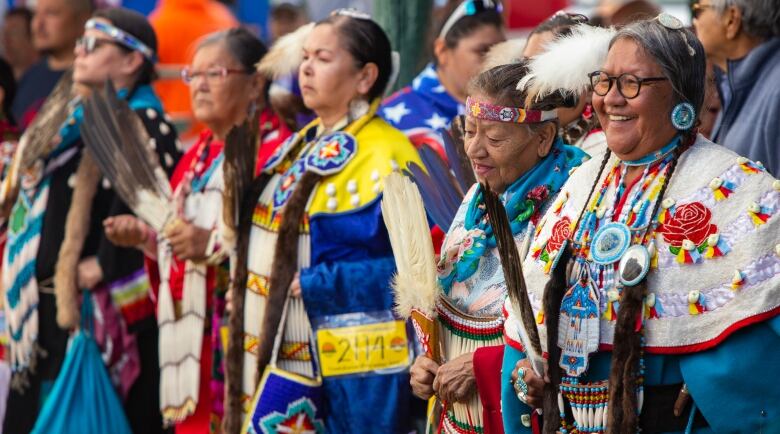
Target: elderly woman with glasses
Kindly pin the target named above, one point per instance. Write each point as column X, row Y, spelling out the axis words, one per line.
column 225, row 91
column 657, row 281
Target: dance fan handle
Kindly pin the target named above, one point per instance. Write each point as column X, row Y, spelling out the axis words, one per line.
column 427, row 331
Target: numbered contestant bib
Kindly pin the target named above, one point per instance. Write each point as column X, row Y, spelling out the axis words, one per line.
column 361, row 343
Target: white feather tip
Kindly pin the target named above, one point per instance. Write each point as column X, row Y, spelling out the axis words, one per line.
column 566, row 62
column 504, row 53
column 286, row 54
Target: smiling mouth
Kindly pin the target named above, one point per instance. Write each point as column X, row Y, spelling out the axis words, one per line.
column 618, row 118
column 481, row 170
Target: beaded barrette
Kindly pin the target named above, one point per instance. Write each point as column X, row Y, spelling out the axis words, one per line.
column 513, row 115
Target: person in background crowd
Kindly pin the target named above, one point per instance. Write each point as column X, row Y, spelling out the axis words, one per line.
column 711, row 108
column 437, row 94
column 579, row 125
column 225, row 90
column 18, row 47
column 742, row 40
column 64, row 243
column 180, row 25
column 56, row 25
column 285, row 17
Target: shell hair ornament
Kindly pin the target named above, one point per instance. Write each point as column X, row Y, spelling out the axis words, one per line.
column 673, row 23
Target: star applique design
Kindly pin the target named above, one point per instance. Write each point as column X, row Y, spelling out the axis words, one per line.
column 436, row 122
column 396, row 112
column 299, row 419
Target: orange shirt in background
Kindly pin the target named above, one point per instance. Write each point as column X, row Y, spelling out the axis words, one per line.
column 179, row 25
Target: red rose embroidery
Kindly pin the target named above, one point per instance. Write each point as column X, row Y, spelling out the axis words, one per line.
column 689, row 222
column 560, row 233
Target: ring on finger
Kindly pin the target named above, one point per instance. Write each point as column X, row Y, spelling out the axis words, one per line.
column 521, row 387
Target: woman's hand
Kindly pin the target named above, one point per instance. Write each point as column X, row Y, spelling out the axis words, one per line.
column 126, row 230
column 421, row 377
column 188, row 241
column 295, row 285
column 455, row 381
column 89, row 273
column 535, row 383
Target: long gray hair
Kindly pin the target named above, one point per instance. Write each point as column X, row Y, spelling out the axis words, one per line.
column 671, row 49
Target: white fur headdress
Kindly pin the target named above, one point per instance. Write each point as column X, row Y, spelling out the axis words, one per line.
column 286, row 54
column 566, row 62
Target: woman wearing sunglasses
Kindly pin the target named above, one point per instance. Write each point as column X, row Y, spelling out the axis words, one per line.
column 225, row 91
column 438, row 93
column 65, row 244
column 658, row 279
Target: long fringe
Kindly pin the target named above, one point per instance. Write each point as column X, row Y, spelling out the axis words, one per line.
column 626, row 352
column 285, row 266
column 234, row 359
column 553, row 295
column 77, row 226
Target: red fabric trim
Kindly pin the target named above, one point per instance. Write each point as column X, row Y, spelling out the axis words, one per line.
column 702, row 346
column 513, row 343
column 437, row 234
column 487, row 372
column 269, row 123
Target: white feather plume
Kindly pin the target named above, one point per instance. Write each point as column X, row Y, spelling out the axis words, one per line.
column 415, row 284
column 286, row 54
column 566, row 62
column 504, row 53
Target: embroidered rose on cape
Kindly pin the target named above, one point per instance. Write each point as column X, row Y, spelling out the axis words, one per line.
column 560, row 233
column 689, row 222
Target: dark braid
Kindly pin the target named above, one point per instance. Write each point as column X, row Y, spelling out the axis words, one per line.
column 604, row 162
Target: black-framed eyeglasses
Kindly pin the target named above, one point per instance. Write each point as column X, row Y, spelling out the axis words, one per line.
column 627, row 84
column 91, row 43
column 697, row 8
column 215, row 74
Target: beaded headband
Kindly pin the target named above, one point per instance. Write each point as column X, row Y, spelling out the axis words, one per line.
column 512, row 115
column 121, row 37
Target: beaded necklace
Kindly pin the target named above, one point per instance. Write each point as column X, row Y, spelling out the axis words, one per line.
column 617, row 231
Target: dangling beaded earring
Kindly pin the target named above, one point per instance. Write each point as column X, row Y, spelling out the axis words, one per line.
column 683, row 116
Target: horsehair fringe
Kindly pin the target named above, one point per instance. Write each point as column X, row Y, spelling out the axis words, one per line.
column 234, row 359
column 77, row 225
column 285, row 266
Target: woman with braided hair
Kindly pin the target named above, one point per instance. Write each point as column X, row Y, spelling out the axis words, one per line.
column 655, row 282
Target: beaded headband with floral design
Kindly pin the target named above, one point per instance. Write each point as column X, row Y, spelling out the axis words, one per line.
column 513, row 115
column 121, row 37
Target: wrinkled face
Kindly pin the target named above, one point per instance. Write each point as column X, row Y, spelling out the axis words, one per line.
column 500, row 152
column 17, row 40
column 55, row 26
column 710, row 28
column 329, row 77
column 220, row 101
column 638, row 126
column 463, row 62
column 106, row 61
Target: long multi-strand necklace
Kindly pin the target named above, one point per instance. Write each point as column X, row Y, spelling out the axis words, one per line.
column 613, row 247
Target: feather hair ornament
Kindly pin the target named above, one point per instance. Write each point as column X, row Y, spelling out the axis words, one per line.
column 504, row 53
column 286, row 54
column 238, row 171
column 566, row 62
column 441, row 194
column 119, row 143
column 415, row 284
column 38, row 139
column 511, row 263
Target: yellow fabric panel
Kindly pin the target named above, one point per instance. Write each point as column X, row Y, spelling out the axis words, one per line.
column 380, row 150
